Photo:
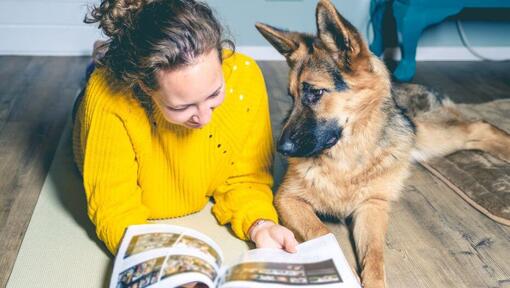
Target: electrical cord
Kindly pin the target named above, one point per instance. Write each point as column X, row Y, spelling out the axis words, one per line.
column 468, row 46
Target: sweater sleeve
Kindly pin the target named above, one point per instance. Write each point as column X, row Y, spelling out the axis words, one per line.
column 246, row 195
column 110, row 178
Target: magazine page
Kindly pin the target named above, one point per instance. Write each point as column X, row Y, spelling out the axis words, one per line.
column 318, row 263
column 162, row 255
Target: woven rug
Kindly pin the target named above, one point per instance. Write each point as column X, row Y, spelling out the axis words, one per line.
column 479, row 178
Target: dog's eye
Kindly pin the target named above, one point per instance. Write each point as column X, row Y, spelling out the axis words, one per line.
column 312, row 96
column 317, row 92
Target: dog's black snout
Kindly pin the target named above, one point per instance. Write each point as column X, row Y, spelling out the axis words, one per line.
column 286, row 147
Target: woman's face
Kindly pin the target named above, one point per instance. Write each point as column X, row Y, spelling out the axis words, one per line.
column 187, row 96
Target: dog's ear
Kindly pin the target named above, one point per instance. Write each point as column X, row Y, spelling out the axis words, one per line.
column 282, row 40
column 338, row 35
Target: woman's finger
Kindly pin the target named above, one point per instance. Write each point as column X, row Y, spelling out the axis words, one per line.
column 289, row 243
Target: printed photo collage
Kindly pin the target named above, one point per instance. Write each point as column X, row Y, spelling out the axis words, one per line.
column 154, row 270
column 323, row 272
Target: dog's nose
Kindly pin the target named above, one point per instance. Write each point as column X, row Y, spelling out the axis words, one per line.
column 286, row 147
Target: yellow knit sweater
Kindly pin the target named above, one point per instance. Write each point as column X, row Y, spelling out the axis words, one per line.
column 134, row 171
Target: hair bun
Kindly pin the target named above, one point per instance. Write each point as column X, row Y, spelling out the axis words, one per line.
column 115, row 17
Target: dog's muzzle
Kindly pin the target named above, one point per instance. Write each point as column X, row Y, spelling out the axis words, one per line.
column 287, row 148
column 312, row 146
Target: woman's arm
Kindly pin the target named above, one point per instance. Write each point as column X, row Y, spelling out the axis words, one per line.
column 247, row 196
column 110, row 172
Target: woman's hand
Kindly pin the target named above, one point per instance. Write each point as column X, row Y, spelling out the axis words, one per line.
column 270, row 235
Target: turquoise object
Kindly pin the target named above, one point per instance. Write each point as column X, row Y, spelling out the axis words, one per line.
column 411, row 18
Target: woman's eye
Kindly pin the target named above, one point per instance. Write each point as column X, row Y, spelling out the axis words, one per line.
column 214, row 95
column 177, row 109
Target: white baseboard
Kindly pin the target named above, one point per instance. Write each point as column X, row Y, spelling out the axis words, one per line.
column 422, row 53
column 268, row 53
column 452, row 53
column 262, row 53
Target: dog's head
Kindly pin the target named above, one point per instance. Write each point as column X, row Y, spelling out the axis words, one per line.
column 328, row 81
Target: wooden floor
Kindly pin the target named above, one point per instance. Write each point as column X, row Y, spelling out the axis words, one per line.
column 435, row 238
column 36, row 94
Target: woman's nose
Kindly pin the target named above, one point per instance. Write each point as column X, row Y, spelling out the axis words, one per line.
column 204, row 114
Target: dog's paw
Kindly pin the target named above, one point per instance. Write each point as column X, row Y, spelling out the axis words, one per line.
column 373, row 278
column 373, row 283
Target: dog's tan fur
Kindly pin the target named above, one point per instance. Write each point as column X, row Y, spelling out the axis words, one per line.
column 365, row 170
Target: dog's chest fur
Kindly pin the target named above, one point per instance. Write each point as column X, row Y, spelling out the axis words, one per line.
column 336, row 182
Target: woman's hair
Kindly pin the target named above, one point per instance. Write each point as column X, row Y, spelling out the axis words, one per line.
column 146, row 36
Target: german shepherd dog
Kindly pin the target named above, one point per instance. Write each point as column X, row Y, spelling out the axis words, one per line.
column 350, row 137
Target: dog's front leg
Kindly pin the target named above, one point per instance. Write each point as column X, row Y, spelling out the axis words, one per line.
column 299, row 216
column 370, row 224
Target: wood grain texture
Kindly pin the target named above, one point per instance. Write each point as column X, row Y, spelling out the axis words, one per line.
column 466, row 82
column 36, row 94
column 437, row 240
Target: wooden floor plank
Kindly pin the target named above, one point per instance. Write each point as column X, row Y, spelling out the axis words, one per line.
column 436, row 239
column 15, row 74
column 467, row 82
column 35, row 107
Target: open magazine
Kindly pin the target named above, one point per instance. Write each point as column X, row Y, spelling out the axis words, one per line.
column 162, row 255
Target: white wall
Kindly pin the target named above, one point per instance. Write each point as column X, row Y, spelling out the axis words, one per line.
column 45, row 27
column 55, row 27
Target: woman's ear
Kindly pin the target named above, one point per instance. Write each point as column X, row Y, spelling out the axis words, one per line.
column 144, row 88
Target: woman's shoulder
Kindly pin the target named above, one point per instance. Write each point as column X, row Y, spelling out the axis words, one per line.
column 102, row 94
column 245, row 91
column 236, row 63
column 243, row 77
column 230, row 56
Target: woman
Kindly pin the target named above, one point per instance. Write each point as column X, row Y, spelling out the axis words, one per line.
column 168, row 119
